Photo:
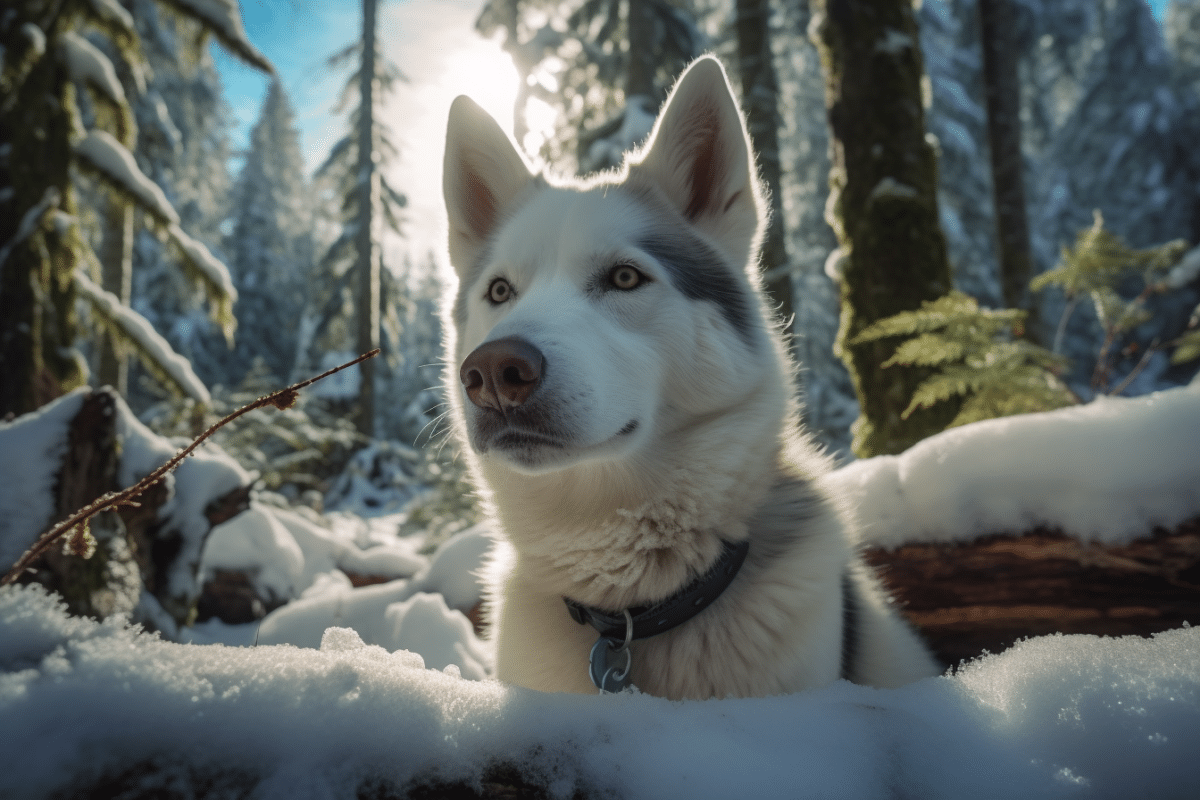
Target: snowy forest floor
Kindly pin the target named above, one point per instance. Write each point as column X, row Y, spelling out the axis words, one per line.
column 366, row 690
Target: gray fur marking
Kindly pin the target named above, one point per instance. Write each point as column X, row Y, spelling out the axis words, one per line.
column 700, row 272
column 779, row 525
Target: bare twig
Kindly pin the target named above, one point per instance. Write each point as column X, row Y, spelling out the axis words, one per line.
column 1062, row 323
column 1141, row 365
column 282, row 399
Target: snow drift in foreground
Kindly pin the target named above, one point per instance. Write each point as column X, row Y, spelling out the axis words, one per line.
column 1109, row 471
column 1073, row 716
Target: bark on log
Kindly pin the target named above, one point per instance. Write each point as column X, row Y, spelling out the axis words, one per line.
column 109, row 582
column 982, row 596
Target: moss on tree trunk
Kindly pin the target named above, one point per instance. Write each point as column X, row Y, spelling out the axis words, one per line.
column 37, row 289
column 882, row 204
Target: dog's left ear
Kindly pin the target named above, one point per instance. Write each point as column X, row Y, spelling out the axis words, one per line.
column 699, row 154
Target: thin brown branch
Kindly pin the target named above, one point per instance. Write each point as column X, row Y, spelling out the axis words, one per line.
column 1141, row 365
column 284, row 398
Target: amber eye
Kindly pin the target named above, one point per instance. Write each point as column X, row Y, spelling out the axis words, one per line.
column 625, row 277
column 499, row 291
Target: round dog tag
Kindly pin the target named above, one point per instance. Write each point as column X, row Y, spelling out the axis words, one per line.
column 609, row 665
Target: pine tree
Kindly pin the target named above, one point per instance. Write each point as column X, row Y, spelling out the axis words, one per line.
column 44, row 255
column 184, row 146
column 270, row 245
column 883, row 205
column 368, row 205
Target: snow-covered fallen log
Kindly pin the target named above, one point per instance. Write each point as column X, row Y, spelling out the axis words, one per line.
column 1081, row 520
column 1109, row 471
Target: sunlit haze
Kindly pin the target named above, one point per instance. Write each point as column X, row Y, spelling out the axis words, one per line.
column 434, row 44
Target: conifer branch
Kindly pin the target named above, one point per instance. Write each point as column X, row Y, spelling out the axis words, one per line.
column 76, row 524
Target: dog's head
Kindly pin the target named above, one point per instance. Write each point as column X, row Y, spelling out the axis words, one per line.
column 595, row 322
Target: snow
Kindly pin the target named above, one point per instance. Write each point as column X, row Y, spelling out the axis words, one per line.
column 1056, row 717
column 203, row 259
column 86, row 64
column 36, row 38
column 1108, row 471
column 637, row 120
column 148, row 339
column 893, row 42
column 1183, row 273
column 30, row 220
column 27, row 482
column 422, row 613
column 890, row 187
column 256, row 542
column 224, row 16
column 290, row 556
column 379, row 479
column 111, row 11
column 206, row 475
column 111, row 158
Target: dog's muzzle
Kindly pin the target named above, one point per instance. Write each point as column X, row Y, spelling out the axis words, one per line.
column 502, row 375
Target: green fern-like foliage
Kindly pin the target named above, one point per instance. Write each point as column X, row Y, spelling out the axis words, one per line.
column 1099, row 261
column 974, row 356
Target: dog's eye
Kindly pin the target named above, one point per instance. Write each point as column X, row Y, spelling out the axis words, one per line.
column 625, row 277
column 499, row 291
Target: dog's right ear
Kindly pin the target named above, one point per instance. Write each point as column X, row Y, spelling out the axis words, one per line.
column 483, row 173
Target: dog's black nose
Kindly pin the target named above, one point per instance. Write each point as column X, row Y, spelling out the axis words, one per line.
column 502, row 374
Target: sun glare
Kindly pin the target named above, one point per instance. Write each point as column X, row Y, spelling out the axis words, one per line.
column 485, row 73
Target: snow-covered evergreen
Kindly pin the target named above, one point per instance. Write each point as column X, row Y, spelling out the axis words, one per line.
column 184, row 146
column 270, row 244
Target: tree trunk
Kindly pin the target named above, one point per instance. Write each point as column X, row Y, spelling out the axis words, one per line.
column 116, row 260
column 37, row 289
column 1002, row 90
column 642, row 62
column 882, row 205
column 365, row 245
column 760, row 93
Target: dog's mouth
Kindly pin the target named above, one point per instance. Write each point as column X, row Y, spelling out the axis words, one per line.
column 516, row 439
column 539, row 447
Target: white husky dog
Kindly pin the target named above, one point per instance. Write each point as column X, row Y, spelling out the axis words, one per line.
column 628, row 405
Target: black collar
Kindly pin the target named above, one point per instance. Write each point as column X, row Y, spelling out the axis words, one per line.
column 675, row 610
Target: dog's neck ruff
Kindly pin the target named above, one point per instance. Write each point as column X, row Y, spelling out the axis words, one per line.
column 618, row 629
